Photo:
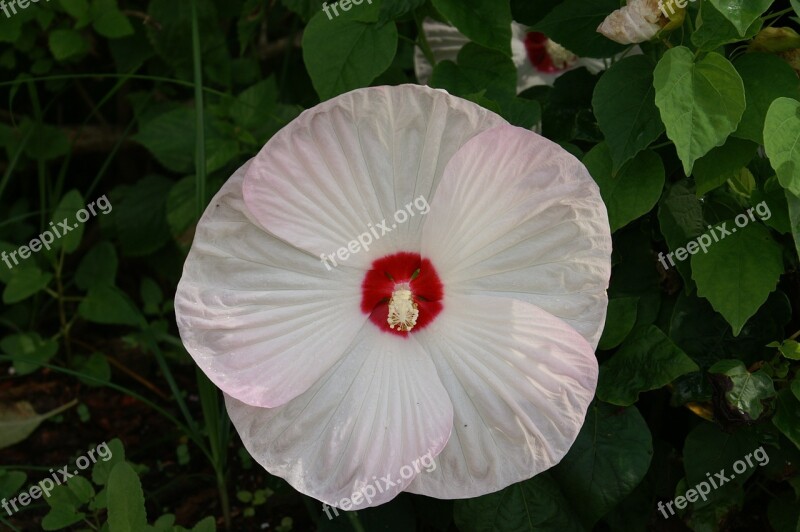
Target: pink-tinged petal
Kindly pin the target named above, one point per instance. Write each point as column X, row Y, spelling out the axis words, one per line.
column 347, row 164
column 517, row 216
column 520, row 380
column 261, row 318
column 379, row 413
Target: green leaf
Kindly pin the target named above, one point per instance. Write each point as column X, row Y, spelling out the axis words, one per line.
column 620, row 319
column 344, row 53
column 79, row 10
column 114, row 453
column 484, row 22
column 701, row 102
column 793, row 204
column 397, row 8
column 608, row 460
column 529, row 13
column 11, row 28
column 181, row 206
column 646, row 361
column 479, row 69
column 60, row 517
column 766, row 77
column 784, row 512
column 11, row 482
column 254, row 105
column 81, row 488
column 745, row 391
column 633, row 191
column 782, row 142
column 518, row 111
column 573, row 24
column 24, row 283
column 305, row 8
column 152, row 296
column 169, row 137
column 567, row 114
column 743, row 183
column 219, row 152
column 66, row 44
column 708, row 449
column 98, row 267
column 209, row 524
column 535, row 504
column 787, row 415
column 747, row 259
column 773, row 196
column 126, row 511
column 67, row 208
column 742, row 13
column 109, row 21
column 19, row 420
column 680, row 215
column 94, row 370
column 720, row 164
column 28, row 351
column 109, row 305
column 705, row 335
column 714, row 30
column 172, row 37
column 796, row 387
column 487, row 78
column 790, row 349
column 141, row 218
column 50, row 142
column 625, row 107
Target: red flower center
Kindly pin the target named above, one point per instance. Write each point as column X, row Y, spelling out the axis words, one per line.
column 540, row 54
column 402, row 293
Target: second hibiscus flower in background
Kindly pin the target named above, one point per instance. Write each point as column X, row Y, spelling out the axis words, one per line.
column 539, row 60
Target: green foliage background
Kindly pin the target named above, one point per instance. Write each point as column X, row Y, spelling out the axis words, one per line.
column 153, row 104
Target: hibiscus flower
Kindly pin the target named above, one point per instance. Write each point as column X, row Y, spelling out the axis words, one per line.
column 466, row 333
column 539, row 60
column 642, row 20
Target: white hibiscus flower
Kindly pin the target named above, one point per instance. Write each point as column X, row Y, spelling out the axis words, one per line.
column 505, row 278
column 641, row 20
column 539, row 60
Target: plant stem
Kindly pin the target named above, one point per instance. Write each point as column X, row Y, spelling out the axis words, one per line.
column 62, row 315
column 355, row 522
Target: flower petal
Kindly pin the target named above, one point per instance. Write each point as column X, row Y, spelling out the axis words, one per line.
column 636, row 22
column 520, row 381
column 516, row 215
column 380, row 409
column 350, row 163
column 444, row 40
column 262, row 319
